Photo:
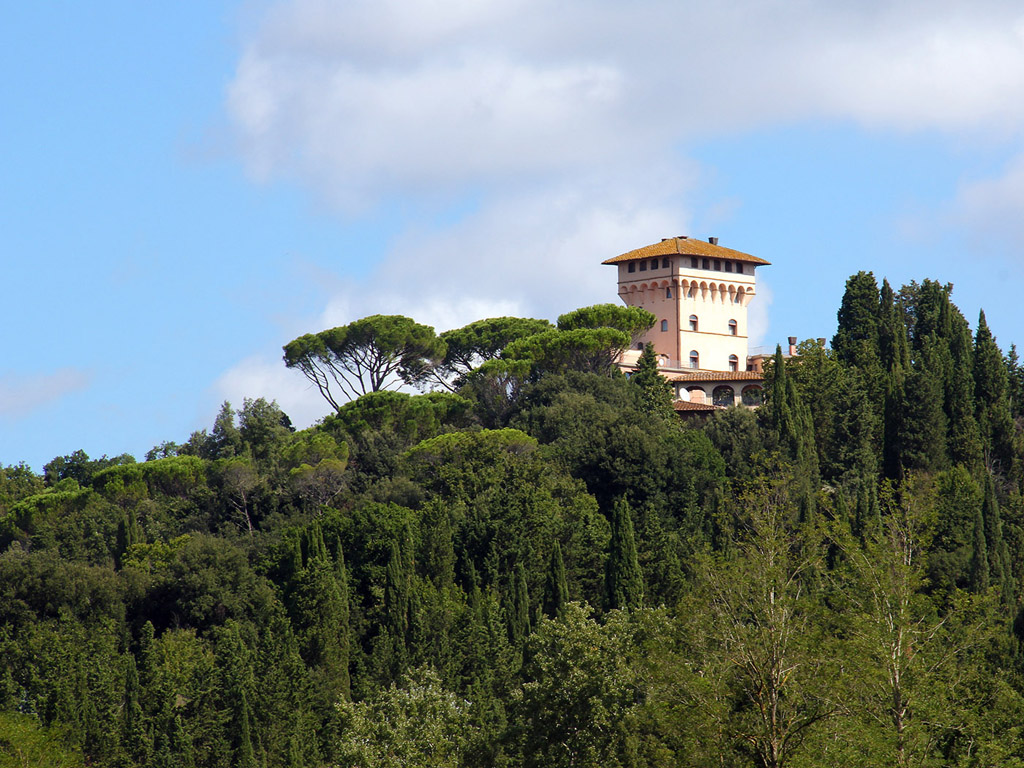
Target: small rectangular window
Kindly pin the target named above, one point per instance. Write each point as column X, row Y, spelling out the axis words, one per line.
column 739, row 268
column 718, row 265
column 665, row 263
column 643, row 266
column 654, row 263
column 632, row 266
column 668, row 293
column 707, row 264
column 728, row 266
column 694, row 262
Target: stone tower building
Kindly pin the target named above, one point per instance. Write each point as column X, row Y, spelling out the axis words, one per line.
column 699, row 292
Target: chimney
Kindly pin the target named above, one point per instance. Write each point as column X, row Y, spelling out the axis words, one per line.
column 792, row 346
column 713, row 240
column 821, row 343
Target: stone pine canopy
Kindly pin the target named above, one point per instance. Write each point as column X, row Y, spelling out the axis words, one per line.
column 686, row 246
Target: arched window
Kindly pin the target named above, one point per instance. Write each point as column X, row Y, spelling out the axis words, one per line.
column 664, row 325
column 752, row 395
column 723, row 395
column 693, row 322
column 697, row 394
column 694, row 359
column 734, row 363
column 733, row 328
column 640, row 346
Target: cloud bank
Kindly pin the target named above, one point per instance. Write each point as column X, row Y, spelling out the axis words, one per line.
column 565, row 124
column 21, row 394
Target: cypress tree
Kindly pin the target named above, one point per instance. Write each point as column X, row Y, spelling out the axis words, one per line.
column 624, row 581
column 556, row 591
column 1015, row 373
column 245, row 755
column 979, row 570
column 924, row 426
column 787, row 422
column 135, row 735
column 964, row 437
column 856, row 341
column 519, row 610
column 992, row 401
column 655, row 389
column 396, row 595
column 1000, row 569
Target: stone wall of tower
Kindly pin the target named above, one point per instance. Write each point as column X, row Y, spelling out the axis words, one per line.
column 675, row 290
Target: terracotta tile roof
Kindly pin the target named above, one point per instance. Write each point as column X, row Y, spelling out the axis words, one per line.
column 682, row 405
column 717, row 376
column 686, row 246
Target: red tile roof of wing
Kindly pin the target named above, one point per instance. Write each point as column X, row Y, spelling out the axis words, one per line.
column 685, row 246
column 682, row 405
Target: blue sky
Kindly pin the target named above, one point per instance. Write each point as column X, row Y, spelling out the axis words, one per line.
column 188, row 187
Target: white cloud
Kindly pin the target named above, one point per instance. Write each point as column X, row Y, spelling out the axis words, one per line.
column 20, row 394
column 364, row 98
column 267, row 377
column 993, row 209
column 564, row 123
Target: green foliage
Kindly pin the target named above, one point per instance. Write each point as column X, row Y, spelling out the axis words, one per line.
column 655, row 389
column 367, row 355
column 414, row 724
column 592, row 350
column 393, row 586
column 470, row 346
column 632, row 321
column 624, row 582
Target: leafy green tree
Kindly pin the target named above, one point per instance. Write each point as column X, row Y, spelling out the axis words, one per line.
column 593, row 350
column 470, row 346
column 755, row 636
column 367, row 355
column 415, row 723
column 633, row 321
column 581, row 692
column 914, row 668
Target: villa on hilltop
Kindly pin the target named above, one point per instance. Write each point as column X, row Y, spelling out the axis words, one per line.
column 699, row 292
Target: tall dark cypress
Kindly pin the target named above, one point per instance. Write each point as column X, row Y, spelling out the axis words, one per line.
column 992, row 403
column 979, row 570
column 964, row 437
column 999, row 567
column 894, row 359
column 556, row 591
column 787, row 420
column 519, row 610
column 856, row 339
column 624, row 581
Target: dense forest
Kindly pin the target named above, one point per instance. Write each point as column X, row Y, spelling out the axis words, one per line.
column 537, row 562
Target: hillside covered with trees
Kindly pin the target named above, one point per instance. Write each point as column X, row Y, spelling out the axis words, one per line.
column 538, row 563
